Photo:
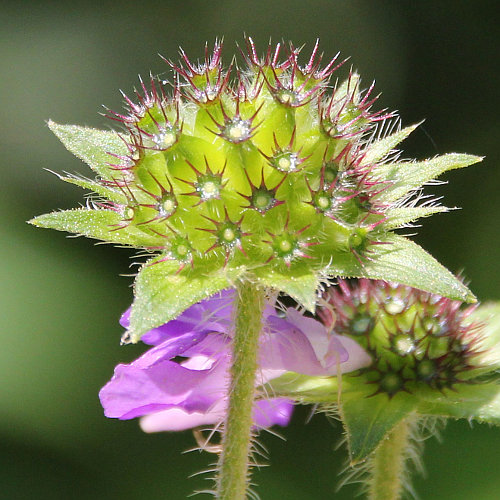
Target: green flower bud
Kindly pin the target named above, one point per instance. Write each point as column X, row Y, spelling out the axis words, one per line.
column 265, row 174
column 415, row 339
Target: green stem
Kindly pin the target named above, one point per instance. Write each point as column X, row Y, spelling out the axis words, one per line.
column 234, row 460
column 388, row 466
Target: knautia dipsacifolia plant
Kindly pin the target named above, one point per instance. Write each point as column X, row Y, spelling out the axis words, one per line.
column 262, row 176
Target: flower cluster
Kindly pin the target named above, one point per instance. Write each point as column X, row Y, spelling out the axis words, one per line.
column 182, row 382
column 263, row 173
column 415, row 338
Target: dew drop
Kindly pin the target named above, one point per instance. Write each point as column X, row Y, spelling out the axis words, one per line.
column 361, row 324
column 355, row 240
column 182, row 250
column 285, row 245
column 167, row 206
column 391, row 383
column 426, row 369
column 261, row 201
column 287, row 162
column 165, row 139
column 129, row 213
column 209, row 190
column 323, row 202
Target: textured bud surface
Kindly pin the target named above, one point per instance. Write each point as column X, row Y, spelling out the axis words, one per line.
column 263, row 172
column 416, row 339
column 431, row 357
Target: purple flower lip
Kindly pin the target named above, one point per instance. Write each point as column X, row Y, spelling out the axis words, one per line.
column 182, row 381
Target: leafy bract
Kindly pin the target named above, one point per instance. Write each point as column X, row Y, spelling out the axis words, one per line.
column 404, row 177
column 401, row 216
column 381, row 148
column 162, row 293
column 368, row 420
column 479, row 402
column 301, row 287
column 97, row 188
column 402, row 261
column 95, row 147
column 100, row 224
column 488, row 317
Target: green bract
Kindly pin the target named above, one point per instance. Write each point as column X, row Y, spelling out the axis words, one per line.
column 271, row 176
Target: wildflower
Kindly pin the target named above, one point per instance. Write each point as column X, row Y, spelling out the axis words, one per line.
column 182, row 381
column 263, row 174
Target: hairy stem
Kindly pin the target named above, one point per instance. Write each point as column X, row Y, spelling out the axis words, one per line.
column 233, row 468
column 388, row 465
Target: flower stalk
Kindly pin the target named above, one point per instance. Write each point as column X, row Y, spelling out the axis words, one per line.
column 388, row 464
column 234, row 460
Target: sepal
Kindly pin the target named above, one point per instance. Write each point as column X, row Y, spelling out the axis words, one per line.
column 472, row 401
column 105, row 225
column 96, row 148
column 402, row 261
column 368, row 419
column 162, row 292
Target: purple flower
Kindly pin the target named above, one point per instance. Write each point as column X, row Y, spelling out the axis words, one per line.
column 182, row 381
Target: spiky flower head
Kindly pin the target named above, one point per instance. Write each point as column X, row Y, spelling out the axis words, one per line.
column 416, row 339
column 431, row 356
column 270, row 172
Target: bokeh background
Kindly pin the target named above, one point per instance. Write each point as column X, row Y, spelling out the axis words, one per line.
column 60, row 298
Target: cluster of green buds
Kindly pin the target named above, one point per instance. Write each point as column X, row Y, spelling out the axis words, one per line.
column 431, row 356
column 267, row 172
column 414, row 338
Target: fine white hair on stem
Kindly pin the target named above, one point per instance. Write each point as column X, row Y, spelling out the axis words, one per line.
column 420, row 428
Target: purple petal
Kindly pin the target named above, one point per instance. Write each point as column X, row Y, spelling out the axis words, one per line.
column 141, row 388
column 178, row 419
column 174, row 396
column 303, row 345
column 269, row 412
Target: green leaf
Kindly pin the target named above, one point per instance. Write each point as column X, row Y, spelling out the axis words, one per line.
column 301, row 287
column 397, row 217
column 161, row 293
column 367, row 420
column 95, row 147
column 480, row 402
column 378, row 150
column 403, row 261
column 98, row 224
column 408, row 176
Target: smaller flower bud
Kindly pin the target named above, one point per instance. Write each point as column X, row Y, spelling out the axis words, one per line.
column 415, row 338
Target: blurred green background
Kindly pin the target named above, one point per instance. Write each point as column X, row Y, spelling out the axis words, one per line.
column 61, row 298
